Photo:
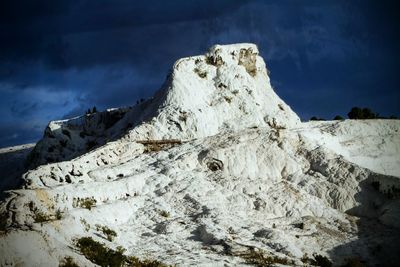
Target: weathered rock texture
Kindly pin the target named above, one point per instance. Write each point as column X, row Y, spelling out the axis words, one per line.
column 239, row 175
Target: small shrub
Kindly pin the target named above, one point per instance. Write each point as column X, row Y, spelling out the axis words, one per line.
column 338, row 118
column 357, row 113
column 85, row 224
column 228, row 99
column 305, row 259
column 87, row 203
column 99, row 254
column 183, row 116
column 222, row 86
column 313, row 118
column 133, row 261
column 202, row 74
column 215, row 61
column 368, row 114
column 320, row 260
column 157, row 145
column 299, row 225
column 40, row 217
column 68, row 262
column 258, row 258
column 210, row 60
column 68, row 178
column 109, row 233
column 164, row 213
column 58, row 214
column 152, row 148
column 121, row 249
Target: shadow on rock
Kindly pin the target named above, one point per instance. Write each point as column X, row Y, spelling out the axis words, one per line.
column 377, row 219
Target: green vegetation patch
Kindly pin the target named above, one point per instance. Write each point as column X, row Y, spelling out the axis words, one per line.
column 318, row 260
column 68, row 262
column 109, row 233
column 87, row 203
column 258, row 258
column 99, row 254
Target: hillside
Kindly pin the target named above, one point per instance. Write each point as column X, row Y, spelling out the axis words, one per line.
column 216, row 170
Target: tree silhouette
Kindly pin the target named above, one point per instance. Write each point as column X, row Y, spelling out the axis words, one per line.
column 313, row 118
column 338, row 118
column 357, row 113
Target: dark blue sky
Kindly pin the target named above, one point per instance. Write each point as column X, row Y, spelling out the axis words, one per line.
column 57, row 58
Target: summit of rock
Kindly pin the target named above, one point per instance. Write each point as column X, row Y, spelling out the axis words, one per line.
column 226, row 90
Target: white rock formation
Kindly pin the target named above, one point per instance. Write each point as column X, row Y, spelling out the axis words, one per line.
column 226, row 90
column 246, row 176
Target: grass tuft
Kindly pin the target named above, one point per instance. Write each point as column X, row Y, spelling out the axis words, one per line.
column 109, row 233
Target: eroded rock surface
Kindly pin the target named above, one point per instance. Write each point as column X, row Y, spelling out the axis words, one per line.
column 245, row 177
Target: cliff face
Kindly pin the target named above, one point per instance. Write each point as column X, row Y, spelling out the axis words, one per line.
column 215, row 169
column 227, row 89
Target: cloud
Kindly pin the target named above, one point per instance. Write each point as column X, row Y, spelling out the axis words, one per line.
column 45, row 24
column 12, row 134
column 62, row 57
column 23, row 109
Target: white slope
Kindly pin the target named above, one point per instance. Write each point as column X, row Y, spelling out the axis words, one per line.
column 248, row 176
column 373, row 144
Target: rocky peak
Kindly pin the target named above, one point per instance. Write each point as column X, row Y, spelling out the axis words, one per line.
column 225, row 90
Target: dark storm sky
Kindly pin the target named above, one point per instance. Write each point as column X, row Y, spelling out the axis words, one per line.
column 57, row 58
